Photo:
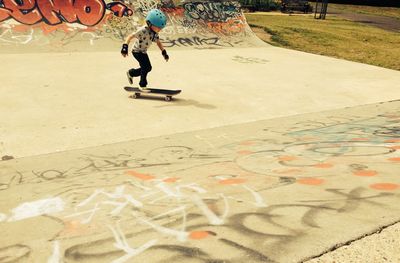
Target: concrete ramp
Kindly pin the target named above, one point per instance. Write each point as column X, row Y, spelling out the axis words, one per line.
column 98, row 25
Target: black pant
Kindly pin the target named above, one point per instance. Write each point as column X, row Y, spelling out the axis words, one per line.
column 145, row 67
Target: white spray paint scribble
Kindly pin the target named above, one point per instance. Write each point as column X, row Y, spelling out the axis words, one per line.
column 56, row 256
column 259, row 200
column 121, row 243
column 37, row 208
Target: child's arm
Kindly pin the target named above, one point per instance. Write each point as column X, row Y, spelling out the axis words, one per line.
column 129, row 38
column 163, row 51
column 124, row 50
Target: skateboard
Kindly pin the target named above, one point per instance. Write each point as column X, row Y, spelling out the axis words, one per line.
column 168, row 94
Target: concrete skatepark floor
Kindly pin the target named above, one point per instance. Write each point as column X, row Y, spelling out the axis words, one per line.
column 280, row 190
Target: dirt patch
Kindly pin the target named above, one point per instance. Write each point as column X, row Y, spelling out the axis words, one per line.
column 387, row 23
column 261, row 34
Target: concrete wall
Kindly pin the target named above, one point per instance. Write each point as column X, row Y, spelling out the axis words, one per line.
column 66, row 25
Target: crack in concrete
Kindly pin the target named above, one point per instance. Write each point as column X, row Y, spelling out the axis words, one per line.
column 337, row 246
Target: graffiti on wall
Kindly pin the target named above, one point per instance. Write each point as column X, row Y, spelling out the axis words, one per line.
column 59, row 22
column 54, row 12
column 212, row 11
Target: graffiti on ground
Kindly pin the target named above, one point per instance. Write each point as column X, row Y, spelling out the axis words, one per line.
column 245, row 193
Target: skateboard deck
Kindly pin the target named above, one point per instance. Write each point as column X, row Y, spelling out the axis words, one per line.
column 168, row 94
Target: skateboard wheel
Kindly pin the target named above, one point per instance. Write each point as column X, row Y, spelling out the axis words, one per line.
column 136, row 95
column 168, row 98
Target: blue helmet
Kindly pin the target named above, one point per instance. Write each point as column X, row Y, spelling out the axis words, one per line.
column 156, row 18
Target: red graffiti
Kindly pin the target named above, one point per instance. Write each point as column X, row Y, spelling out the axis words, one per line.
column 54, row 12
column 4, row 13
column 119, row 9
column 176, row 11
column 51, row 11
column 230, row 27
column 24, row 11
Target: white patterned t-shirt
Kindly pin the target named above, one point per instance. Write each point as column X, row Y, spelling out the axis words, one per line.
column 144, row 38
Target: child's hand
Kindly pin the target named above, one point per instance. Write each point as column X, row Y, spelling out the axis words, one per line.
column 124, row 50
column 165, row 55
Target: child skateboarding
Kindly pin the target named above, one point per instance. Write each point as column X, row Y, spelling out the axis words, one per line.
column 144, row 37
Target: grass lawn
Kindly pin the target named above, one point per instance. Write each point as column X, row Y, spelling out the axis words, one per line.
column 332, row 37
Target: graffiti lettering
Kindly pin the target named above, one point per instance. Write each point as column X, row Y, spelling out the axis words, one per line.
column 194, row 41
column 229, row 28
column 212, row 11
column 24, row 12
column 54, row 12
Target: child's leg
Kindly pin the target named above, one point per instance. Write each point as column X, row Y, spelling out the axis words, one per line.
column 145, row 68
column 134, row 72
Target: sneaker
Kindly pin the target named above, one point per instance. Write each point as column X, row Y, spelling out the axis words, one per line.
column 129, row 77
column 144, row 89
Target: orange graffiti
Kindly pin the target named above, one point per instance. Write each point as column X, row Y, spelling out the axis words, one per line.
column 198, row 234
column 171, row 179
column 226, row 28
column 385, row 186
column 394, row 159
column 177, row 11
column 287, row 171
column 47, row 29
column 75, row 228
column 324, row 165
column 20, row 28
column 144, row 177
column 286, row 158
column 392, row 140
column 310, row 181
column 365, row 173
column 232, row 181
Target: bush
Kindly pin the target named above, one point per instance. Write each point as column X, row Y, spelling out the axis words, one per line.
column 289, row 6
column 260, row 5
